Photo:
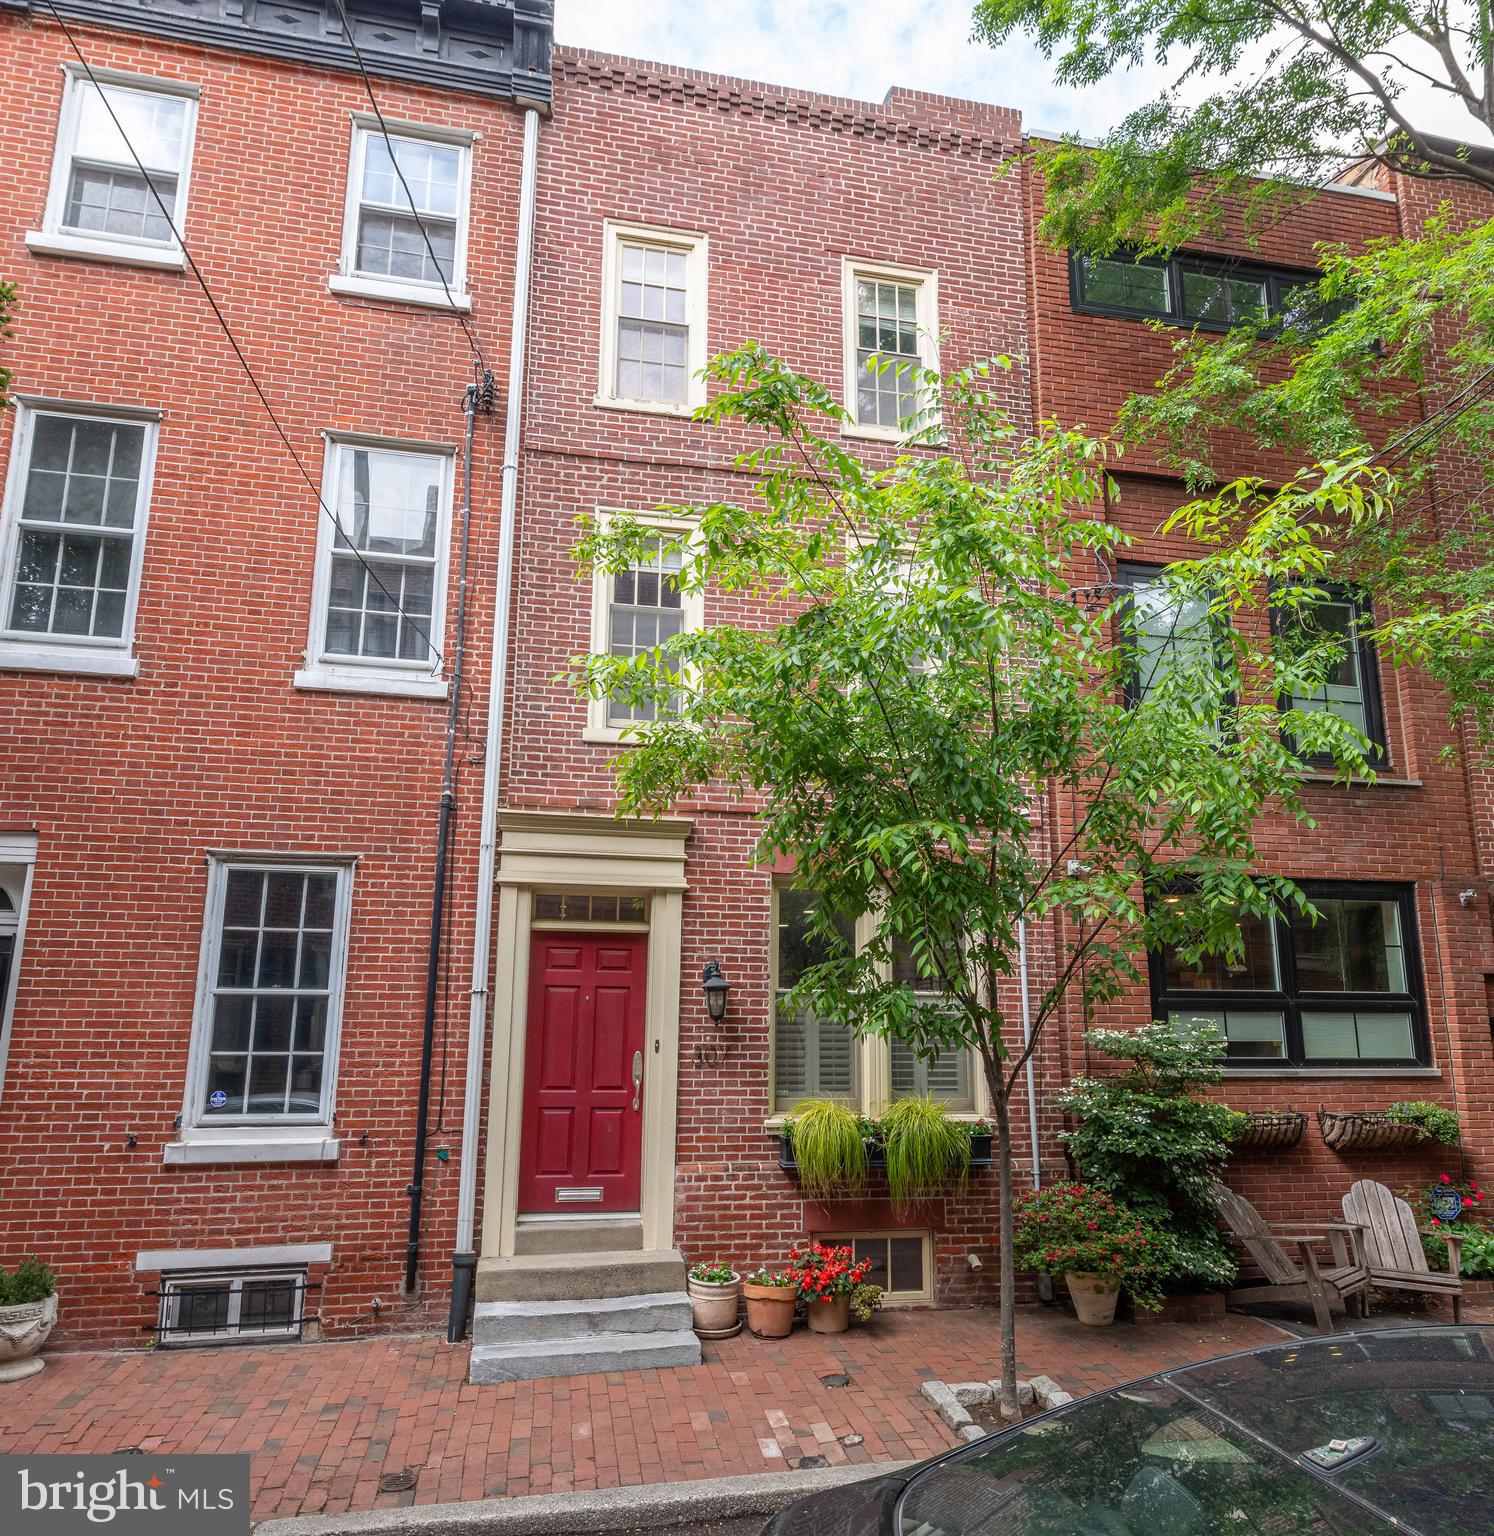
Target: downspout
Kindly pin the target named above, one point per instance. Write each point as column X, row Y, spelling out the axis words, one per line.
column 1032, row 1119
column 464, row 1260
column 478, row 397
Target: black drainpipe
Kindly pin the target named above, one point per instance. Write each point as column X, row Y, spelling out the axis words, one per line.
column 479, row 397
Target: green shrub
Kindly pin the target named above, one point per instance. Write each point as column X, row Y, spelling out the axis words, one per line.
column 1430, row 1119
column 829, row 1148
column 1075, row 1228
column 926, row 1151
column 866, row 1299
column 30, row 1281
column 1147, row 1137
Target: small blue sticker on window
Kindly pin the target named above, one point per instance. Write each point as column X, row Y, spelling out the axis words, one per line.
column 217, row 1098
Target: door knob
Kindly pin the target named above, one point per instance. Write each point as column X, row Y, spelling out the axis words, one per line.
column 637, row 1076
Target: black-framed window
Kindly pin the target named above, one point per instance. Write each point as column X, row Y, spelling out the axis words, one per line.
column 1210, row 292
column 1342, row 991
column 1162, row 628
column 1351, row 682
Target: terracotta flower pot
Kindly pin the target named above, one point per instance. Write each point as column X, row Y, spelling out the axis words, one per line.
column 715, row 1307
column 770, row 1309
column 830, row 1315
column 1094, row 1297
column 23, row 1331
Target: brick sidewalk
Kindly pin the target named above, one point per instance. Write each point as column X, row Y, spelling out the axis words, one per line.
column 326, row 1421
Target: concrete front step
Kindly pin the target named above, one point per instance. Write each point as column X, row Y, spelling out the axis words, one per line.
column 580, row 1276
column 535, row 1322
column 577, row 1236
column 590, row 1354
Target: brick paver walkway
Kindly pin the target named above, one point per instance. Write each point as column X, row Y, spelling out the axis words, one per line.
column 326, row 1421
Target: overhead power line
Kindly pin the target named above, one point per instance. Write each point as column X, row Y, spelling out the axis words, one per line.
column 233, row 342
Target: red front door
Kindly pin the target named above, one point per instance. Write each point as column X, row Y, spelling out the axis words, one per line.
column 582, row 1142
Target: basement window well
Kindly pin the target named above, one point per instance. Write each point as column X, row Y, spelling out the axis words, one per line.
column 237, row 1307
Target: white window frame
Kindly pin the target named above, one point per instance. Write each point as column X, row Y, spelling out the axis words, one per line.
column 926, row 281
column 890, row 1298
column 873, row 1054
column 281, row 1138
column 17, row 868
column 695, row 247
column 52, row 239
column 692, row 618
column 347, row 280
column 388, row 675
column 25, row 650
column 174, row 1285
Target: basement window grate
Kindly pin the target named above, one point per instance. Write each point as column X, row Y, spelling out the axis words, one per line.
column 232, row 1307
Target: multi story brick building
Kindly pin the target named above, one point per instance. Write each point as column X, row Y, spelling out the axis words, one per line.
column 218, row 838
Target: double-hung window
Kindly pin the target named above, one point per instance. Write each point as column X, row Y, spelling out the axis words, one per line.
column 1169, row 634
column 891, row 320
column 813, row 1057
column 1341, row 990
column 270, row 997
column 654, row 310
column 381, row 569
column 947, row 1077
column 74, row 536
column 636, row 611
column 405, row 228
column 1330, row 633
column 119, row 176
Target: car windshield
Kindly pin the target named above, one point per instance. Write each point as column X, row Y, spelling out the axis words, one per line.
column 1425, row 1395
column 1142, row 1461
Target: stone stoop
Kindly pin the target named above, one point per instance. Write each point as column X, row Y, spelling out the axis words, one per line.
column 574, row 1313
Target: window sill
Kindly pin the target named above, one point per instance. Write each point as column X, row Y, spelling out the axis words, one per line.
column 400, row 293
column 391, row 684
column 60, row 658
column 1245, row 1073
column 683, row 411
column 251, row 1147
column 608, row 736
column 1356, row 781
column 119, row 252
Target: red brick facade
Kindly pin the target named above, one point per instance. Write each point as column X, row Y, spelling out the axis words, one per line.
column 128, row 785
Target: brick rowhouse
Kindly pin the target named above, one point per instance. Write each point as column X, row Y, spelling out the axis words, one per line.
column 119, row 792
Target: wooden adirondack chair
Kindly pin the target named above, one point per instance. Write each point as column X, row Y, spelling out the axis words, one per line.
column 1392, row 1245
column 1302, row 1278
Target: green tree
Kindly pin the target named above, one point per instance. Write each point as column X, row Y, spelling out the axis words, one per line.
column 1267, row 103
column 7, row 313
column 935, row 654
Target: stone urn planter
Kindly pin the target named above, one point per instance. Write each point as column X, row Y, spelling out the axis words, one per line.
column 23, row 1331
column 1094, row 1297
column 713, row 1301
column 830, row 1315
column 770, row 1309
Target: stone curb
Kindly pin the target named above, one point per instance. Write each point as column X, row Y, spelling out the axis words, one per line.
column 658, row 1505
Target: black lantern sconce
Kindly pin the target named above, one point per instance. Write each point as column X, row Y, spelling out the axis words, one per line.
column 715, row 986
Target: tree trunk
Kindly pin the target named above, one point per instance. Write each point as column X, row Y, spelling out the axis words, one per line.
column 1007, row 1271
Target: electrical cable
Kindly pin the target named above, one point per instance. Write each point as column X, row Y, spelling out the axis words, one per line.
column 238, row 351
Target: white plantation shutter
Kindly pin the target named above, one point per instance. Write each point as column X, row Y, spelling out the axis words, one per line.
column 812, row 1058
column 947, row 1077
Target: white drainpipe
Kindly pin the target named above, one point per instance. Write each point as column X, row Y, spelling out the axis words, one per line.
column 464, row 1260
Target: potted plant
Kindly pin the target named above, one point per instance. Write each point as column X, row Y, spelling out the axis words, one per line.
column 771, row 1296
column 714, row 1291
column 827, row 1276
column 28, row 1311
column 1268, row 1130
column 1434, row 1122
column 1095, row 1243
column 1403, row 1125
column 829, row 1144
column 866, row 1301
column 926, row 1151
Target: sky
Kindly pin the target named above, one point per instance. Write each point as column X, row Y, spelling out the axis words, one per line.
column 861, row 49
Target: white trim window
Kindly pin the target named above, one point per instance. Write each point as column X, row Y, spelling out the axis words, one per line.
column 654, row 308
column 379, row 602
column 902, row 1262
column 237, row 1307
column 948, row 1077
column 636, row 611
column 74, row 537
column 274, row 957
column 99, row 204
column 405, row 225
column 17, row 862
column 891, row 319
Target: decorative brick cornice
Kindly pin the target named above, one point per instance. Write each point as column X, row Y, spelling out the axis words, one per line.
column 907, row 117
column 486, row 47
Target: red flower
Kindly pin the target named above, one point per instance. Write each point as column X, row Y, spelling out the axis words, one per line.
column 1445, row 1179
column 1435, row 1222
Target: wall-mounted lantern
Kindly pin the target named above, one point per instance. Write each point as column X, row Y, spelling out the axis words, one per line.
column 715, row 986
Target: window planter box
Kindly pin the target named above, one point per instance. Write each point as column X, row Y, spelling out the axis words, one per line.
column 1367, row 1132
column 981, row 1154
column 1268, row 1132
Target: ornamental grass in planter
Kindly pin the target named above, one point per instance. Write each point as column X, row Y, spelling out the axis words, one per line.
column 830, row 1148
column 927, row 1153
column 28, row 1313
column 771, row 1296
